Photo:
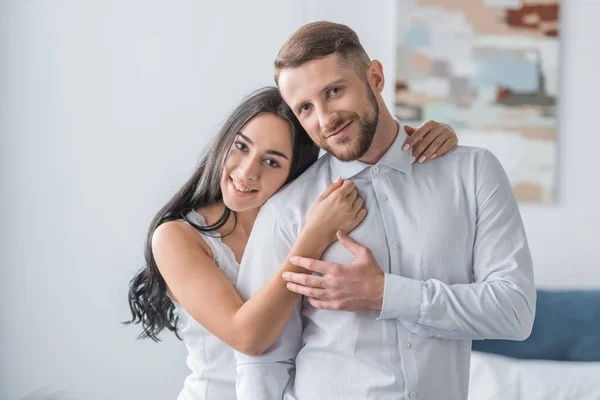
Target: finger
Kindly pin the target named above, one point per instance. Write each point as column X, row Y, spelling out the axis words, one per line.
column 346, row 188
column 449, row 128
column 431, row 135
column 425, row 142
column 352, row 196
column 358, row 218
column 453, row 141
column 353, row 246
column 308, row 280
column 436, row 145
column 449, row 144
column 331, row 188
column 306, row 291
column 422, row 131
column 362, row 213
column 324, row 304
column 415, row 137
column 313, row 265
column 409, row 129
column 357, row 205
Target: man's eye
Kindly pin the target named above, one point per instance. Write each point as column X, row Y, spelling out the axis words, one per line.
column 334, row 91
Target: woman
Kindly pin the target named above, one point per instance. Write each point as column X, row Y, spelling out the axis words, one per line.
column 197, row 240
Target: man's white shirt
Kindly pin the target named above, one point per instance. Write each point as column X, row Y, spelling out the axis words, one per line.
column 449, row 237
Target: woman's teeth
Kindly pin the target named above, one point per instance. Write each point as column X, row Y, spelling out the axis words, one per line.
column 240, row 188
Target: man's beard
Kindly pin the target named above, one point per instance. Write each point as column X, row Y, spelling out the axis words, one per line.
column 367, row 128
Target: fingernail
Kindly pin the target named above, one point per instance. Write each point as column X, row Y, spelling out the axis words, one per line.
column 433, row 156
column 285, row 275
column 294, row 259
column 406, row 147
column 423, row 158
column 339, row 178
column 413, row 159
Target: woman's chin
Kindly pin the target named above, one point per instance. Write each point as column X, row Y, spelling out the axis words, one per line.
column 238, row 205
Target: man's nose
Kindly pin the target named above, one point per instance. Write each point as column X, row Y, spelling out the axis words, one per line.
column 328, row 119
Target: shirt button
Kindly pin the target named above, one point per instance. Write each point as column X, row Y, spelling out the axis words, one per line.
column 375, row 169
column 412, row 395
column 407, row 345
column 395, row 245
column 384, row 197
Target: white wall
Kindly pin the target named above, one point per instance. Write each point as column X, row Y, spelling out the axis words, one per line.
column 564, row 237
column 106, row 106
column 104, row 109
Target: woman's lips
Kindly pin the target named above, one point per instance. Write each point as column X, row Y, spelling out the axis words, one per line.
column 240, row 193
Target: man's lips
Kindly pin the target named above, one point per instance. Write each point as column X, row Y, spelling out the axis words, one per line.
column 339, row 130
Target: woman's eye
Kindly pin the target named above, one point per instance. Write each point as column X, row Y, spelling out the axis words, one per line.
column 272, row 163
column 305, row 108
column 334, row 91
column 240, row 146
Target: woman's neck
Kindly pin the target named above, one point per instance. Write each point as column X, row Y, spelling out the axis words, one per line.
column 245, row 219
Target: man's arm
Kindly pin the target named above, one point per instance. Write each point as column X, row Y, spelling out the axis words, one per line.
column 500, row 304
column 266, row 376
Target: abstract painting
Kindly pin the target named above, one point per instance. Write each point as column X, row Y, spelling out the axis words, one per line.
column 489, row 68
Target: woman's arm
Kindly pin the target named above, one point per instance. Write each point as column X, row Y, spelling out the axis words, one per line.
column 206, row 293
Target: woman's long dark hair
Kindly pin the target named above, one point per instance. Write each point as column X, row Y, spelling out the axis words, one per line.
column 148, row 298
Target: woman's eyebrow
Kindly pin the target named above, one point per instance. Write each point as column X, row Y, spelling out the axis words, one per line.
column 273, row 152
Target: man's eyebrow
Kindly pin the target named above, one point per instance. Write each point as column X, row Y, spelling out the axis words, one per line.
column 324, row 89
column 273, row 152
column 335, row 83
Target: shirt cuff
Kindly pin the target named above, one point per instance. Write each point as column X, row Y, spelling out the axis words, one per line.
column 401, row 298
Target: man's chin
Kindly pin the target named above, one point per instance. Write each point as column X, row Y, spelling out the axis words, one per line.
column 344, row 150
column 345, row 155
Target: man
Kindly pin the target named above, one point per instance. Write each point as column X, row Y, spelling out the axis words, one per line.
column 441, row 258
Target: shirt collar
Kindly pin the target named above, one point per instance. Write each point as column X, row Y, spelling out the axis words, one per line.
column 394, row 158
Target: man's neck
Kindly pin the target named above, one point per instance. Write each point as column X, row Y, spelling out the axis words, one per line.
column 387, row 130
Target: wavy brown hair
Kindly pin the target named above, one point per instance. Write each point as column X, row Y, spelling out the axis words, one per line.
column 148, row 301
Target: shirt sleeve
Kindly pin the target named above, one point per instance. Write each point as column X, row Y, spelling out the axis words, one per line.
column 500, row 303
column 266, row 376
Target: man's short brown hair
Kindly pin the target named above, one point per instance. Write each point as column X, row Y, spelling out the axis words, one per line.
column 318, row 40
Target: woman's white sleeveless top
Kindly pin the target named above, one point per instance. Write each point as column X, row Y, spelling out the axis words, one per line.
column 211, row 361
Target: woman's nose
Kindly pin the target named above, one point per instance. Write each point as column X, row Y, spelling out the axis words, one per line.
column 250, row 169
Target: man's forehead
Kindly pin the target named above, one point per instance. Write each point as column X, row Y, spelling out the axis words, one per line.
column 311, row 76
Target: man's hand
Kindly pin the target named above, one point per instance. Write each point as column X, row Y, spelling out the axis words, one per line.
column 349, row 287
column 430, row 140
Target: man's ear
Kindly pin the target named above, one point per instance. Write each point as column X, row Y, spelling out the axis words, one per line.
column 375, row 76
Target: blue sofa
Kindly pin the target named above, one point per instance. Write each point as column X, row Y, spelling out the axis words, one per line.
column 566, row 328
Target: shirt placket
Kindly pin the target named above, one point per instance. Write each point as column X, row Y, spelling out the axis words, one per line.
column 404, row 345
